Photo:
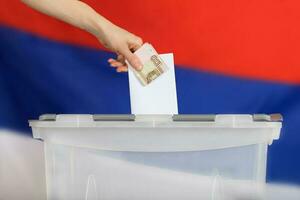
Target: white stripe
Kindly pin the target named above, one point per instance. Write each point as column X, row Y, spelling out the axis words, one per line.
column 22, row 174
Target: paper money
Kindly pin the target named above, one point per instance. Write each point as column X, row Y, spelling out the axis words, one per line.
column 153, row 65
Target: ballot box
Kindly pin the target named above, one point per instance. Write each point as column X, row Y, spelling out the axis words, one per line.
column 136, row 157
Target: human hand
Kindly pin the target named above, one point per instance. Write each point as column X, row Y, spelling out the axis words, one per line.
column 123, row 43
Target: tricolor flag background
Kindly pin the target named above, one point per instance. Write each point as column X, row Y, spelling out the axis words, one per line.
column 231, row 56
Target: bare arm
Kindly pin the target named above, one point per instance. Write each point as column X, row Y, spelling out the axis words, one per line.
column 81, row 15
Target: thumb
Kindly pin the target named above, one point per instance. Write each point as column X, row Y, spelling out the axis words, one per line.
column 133, row 60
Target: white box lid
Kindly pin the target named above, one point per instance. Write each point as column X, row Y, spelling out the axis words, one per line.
column 157, row 132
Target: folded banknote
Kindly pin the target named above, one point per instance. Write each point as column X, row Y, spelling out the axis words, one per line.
column 153, row 65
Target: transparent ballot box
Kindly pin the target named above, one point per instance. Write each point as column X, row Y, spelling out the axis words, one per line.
column 128, row 157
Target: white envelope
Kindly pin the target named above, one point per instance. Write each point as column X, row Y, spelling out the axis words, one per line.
column 159, row 97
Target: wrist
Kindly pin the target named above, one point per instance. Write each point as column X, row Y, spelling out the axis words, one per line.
column 99, row 26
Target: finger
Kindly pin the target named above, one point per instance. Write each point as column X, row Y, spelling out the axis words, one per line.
column 134, row 47
column 122, row 69
column 120, row 59
column 135, row 44
column 133, row 60
column 111, row 60
column 117, row 64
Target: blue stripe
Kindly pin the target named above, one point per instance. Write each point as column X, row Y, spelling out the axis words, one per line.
column 38, row 76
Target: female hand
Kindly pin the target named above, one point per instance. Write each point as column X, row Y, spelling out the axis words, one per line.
column 123, row 43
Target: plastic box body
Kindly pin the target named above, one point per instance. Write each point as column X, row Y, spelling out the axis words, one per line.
column 151, row 155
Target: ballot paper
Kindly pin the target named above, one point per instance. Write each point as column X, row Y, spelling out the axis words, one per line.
column 158, row 97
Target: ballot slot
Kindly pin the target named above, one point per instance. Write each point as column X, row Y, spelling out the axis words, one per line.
column 124, row 117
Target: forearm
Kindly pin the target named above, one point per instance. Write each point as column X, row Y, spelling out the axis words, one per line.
column 83, row 16
column 73, row 12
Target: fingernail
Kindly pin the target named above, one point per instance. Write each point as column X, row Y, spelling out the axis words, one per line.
column 140, row 67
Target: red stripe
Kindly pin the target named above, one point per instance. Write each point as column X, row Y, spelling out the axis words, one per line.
column 256, row 39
